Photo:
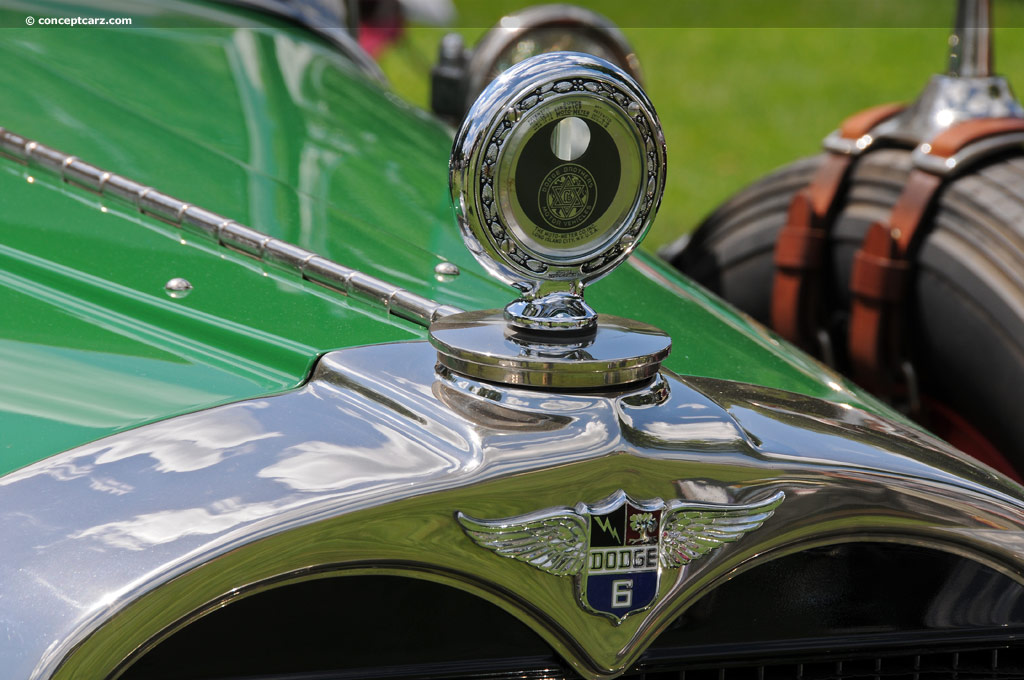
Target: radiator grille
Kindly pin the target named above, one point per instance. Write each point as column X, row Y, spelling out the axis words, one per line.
column 981, row 663
column 978, row 662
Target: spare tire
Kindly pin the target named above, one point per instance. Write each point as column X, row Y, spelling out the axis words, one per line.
column 965, row 312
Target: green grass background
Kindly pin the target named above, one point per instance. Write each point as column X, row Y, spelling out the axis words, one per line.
column 744, row 86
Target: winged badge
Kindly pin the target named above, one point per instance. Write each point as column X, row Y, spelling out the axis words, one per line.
column 617, row 548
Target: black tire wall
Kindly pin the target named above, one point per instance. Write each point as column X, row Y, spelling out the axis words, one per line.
column 966, row 306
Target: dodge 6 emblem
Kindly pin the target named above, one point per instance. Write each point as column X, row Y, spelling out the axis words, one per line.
column 618, row 548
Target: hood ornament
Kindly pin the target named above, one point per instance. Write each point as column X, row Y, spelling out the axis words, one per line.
column 618, row 548
column 555, row 176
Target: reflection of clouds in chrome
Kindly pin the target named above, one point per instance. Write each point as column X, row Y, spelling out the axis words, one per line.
column 558, row 445
column 58, row 468
column 705, row 491
column 701, row 430
column 184, row 444
column 192, row 442
column 155, row 528
column 110, row 485
column 323, row 466
column 569, row 405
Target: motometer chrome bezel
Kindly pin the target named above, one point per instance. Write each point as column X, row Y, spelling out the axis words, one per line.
column 539, row 258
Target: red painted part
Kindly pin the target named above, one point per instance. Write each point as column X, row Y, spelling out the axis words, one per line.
column 951, row 426
column 376, row 38
column 381, row 24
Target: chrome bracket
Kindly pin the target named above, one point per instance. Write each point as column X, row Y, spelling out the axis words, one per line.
column 969, row 91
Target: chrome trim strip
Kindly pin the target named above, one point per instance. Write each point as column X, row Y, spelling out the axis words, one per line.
column 12, row 145
column 201, row 221
column 285, row 254
column 397, row 301
column 50, row 159
column 84, row 174
column 114, row 544
column 125, row 189
column 241, row 237
column 64, row 167
column 327, row 273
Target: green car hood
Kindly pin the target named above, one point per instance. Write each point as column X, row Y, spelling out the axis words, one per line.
column 262, row 122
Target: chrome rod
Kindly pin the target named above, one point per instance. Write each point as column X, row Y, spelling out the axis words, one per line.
column 970, row 45
column 227, row 232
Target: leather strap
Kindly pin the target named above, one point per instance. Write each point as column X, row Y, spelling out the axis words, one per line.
column 802, row 243
column 861, row 123
column 957, row 137
column 880, row 278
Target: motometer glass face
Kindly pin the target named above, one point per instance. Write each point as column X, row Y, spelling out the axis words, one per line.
column 571, row 178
